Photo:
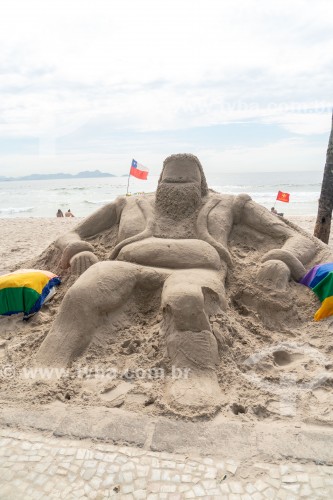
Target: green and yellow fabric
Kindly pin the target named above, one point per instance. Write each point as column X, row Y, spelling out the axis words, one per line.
column 25, row 291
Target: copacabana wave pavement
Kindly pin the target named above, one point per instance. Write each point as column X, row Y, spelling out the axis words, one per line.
column 104, row 453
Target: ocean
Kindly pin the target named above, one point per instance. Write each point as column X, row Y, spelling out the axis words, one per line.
column 84, row 196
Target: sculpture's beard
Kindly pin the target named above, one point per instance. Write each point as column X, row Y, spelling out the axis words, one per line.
column 178, row 201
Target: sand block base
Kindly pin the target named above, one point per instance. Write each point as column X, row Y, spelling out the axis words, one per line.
column 228, row 438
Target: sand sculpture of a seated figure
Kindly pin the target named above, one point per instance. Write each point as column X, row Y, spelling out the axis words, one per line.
column 176, row 240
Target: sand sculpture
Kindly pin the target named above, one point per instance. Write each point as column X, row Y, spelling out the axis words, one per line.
column 175, row 243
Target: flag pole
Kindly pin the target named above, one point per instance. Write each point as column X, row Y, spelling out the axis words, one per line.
column 129, row 175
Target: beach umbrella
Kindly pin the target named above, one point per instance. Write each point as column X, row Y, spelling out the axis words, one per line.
column 26, row 290
column 320, row 280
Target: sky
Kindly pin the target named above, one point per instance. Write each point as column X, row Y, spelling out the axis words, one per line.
column 246, row 85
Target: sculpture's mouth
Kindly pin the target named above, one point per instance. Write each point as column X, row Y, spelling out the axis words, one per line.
column 176, row 181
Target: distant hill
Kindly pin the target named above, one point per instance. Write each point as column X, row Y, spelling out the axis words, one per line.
column 40, row 177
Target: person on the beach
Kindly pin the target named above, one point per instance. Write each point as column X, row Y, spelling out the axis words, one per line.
column 275, row 212
column 69, row 213
column 59, row 213
column 175, row 240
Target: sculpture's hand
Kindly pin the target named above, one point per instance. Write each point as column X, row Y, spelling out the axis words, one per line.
column 72, row 249
column 297, row 270
column 81, row 261
column 273, row 297
column 274, row 274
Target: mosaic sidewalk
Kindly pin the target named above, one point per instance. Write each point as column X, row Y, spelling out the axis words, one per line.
column 36, row 466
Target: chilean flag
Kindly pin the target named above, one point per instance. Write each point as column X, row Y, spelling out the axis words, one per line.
column 139, row 171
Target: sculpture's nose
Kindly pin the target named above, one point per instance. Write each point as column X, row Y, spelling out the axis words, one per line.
column 180, row 178
column 174, row 179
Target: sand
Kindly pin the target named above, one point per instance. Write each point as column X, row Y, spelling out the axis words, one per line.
column 22, row 239
column 266, row 373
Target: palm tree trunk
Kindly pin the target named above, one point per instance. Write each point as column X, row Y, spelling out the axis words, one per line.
column 323, row 222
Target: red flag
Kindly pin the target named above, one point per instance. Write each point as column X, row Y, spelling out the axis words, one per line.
column 139, row 171
column 283, row 196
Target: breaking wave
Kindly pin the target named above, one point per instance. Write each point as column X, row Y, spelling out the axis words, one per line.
column 97, row 202
column 16, row 210
column 75, row 188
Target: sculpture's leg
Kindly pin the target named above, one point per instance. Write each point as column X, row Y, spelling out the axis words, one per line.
column 102, row 288
column 187, row 299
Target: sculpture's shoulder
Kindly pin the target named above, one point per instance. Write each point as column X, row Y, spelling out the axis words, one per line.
column 227, row 197
column 138, row 202
column 242, row 198
column 226, row 201
column 139, row 198
column 214, row 196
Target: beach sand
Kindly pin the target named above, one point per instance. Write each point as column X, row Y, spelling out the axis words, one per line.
column 141, row 346
column 23, row 239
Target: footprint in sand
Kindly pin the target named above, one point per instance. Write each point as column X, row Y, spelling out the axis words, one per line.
column 2, row 349
column 285, row 358
column 116, row 396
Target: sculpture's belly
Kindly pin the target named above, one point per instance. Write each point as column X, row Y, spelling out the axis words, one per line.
column 174, row 254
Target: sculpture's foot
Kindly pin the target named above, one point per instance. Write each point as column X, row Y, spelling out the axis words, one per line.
column 198, row 394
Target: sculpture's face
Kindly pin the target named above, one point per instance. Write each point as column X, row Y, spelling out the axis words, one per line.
column 181, row 171
column 178, row 193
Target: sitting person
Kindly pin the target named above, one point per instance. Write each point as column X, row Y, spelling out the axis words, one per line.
column 275, row 212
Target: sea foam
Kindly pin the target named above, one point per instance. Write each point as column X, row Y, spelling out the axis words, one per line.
column 18, row 210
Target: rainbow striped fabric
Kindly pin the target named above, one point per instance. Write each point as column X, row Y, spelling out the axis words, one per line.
column 25, row 291
column 320, row 280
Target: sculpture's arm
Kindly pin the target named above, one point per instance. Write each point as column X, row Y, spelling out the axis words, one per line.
column 73, row 243
column 296, row 250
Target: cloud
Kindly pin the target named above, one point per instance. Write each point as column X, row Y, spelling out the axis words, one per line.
column 306, row 123
column 168, row 65
column 281, row 156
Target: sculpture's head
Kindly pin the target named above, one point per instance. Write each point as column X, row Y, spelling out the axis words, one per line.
column 184, row 169
column 181, row 186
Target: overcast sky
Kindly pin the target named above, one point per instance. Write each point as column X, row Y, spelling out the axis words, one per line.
column 88, row 84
